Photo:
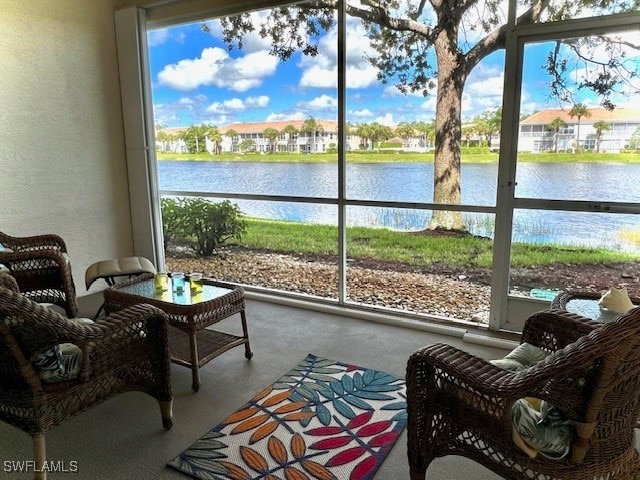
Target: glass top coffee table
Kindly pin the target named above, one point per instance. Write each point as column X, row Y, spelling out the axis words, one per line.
column 192, row 344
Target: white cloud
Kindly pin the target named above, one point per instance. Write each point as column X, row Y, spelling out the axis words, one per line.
column 234, row 104
column 237, row 104
column 393, row 91
column 387, row 120
column 321, row 71
column 429, row 104
column 487, row 87
column 219, row 120
column 364, row 113
column 323, row 101
column 185, row 101
column 261, row 101
column 215, row 107
column 251, row 42
column 158, row 37
column 216, row 67
column 274, row 117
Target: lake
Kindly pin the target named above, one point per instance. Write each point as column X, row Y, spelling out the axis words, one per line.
column 413, row 182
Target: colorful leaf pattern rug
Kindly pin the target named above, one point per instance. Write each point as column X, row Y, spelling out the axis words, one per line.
column 321, row 420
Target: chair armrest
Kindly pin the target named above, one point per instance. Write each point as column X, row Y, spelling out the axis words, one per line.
column 133, row 335
column 43, row 327
column 45, row 255
column 7, row 281
column 35, row 242
column 442, row 369
column 553, row 330
column 561, row 300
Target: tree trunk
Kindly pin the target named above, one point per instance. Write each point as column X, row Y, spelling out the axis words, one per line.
column 446, row 165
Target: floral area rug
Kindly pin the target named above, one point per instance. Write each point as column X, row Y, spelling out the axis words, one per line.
column 321, row 420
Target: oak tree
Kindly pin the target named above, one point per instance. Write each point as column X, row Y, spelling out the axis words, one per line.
column 424, row 45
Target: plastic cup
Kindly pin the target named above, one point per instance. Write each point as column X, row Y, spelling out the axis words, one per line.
column 177, row 280
column 195, row 280
column 161, row 282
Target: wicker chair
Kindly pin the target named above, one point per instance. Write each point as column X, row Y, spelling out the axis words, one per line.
column 126, row 351
column 41, row 267
column 459, row 404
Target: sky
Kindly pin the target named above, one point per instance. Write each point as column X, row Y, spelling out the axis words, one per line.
column 196, row 80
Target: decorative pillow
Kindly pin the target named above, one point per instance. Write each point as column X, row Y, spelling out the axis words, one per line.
column 538, row 426
column 616, row 300
column 60, row 362
column 523, row 356
column 543, row 429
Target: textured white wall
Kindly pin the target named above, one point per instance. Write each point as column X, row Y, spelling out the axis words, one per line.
column 62, row 154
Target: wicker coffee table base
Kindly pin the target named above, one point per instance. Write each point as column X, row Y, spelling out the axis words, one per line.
column 195, row 349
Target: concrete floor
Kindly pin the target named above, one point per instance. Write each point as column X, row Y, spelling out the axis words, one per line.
column 123, row 438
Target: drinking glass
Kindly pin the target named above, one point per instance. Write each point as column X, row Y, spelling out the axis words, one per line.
column 195, row 280
column 161, row 281
column 177, row 280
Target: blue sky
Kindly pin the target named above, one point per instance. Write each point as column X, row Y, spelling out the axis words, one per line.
column 196, row 80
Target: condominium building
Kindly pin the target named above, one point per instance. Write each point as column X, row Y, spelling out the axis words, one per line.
column 602, row 130
column 250, row 137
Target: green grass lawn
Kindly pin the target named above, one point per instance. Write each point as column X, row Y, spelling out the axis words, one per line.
column 386, row 157
column 412, row 248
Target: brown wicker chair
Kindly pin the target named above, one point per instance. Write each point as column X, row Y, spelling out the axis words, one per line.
column 459, row 404
column 41, row 267
column 126, row 351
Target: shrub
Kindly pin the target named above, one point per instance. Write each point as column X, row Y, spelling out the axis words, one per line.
column 204, row 224
column 173, row 220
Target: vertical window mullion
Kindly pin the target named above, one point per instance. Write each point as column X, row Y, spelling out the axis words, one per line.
column 342, row 122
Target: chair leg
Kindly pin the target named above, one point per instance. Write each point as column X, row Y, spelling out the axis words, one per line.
column 39, row 457
column 166, row 409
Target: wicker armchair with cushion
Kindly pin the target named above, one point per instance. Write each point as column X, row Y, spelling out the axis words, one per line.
column 589, row 373
column 41, row 267
column 52, row 368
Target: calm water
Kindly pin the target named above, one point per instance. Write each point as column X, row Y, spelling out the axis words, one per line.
column 413, row 182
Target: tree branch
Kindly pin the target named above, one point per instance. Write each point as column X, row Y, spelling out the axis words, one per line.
column 496, row 39
column 380, row 15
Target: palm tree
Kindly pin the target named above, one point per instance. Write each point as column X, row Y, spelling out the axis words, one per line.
column 290, row 131
column 488, row 123
column 364, row 131
column 600, row 127
column 428, row 131
column 163, row 138
column 310, row 125
column 194, row 137
column 233, row 135
column 246, row 145
column 216, row 138
column 556, row 125
column 579, row 110
column 270, row 134
column 379, row 133
column 467, row 133
column 405, row 131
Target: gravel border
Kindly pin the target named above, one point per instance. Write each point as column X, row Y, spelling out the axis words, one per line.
column 423, row 293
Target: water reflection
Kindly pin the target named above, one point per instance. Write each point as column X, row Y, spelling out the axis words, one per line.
column 412, row 182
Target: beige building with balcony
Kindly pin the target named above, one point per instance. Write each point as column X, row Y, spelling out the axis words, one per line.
column 536, row 136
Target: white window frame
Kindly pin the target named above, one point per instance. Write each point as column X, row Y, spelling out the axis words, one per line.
column 507, row 312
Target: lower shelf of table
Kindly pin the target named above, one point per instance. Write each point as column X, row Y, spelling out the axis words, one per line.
column 210, row 343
